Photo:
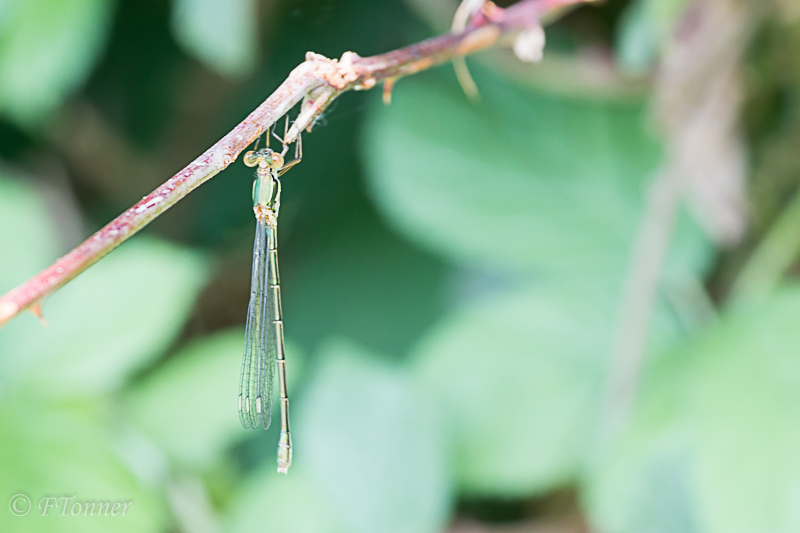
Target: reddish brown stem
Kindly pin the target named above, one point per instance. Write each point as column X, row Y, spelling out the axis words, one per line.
column 316, row 82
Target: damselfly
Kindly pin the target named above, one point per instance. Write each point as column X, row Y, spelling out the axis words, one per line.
column 263, row 343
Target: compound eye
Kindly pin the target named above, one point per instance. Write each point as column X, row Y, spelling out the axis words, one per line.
column 250, row 159
column 277, row 160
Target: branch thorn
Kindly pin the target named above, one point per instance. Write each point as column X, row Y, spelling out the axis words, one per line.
column 388, row 85
column 466, row 11
column 36, row 309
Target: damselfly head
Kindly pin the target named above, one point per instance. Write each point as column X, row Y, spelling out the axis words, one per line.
column 264, row 157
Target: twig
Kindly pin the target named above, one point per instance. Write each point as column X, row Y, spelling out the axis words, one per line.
column 316, row 82
column 641, row 289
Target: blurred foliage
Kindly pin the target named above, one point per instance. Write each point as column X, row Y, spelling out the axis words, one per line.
column 452, row 279
column 516, row 198
column 46, row 51
column 222, row 34
column 60, row 425
column 372, row 441
column 712, row 447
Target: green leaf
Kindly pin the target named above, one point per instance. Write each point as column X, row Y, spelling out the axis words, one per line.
column 713, row 447
column 47, row 49
column 282, row 503
column 520, row 376
column 188, row 406
column 62, row 452
column 644, row 481
column 747, row 404
column 107, row 323
column 374, row 446
column 221, row 33
column 526, row 180
column 519, row 388
column 27, row 234
column 646, row 487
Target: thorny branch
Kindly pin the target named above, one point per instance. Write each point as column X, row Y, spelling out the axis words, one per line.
column 316, row 82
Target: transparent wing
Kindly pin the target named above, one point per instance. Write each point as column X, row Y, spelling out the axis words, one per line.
column 258, row 359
